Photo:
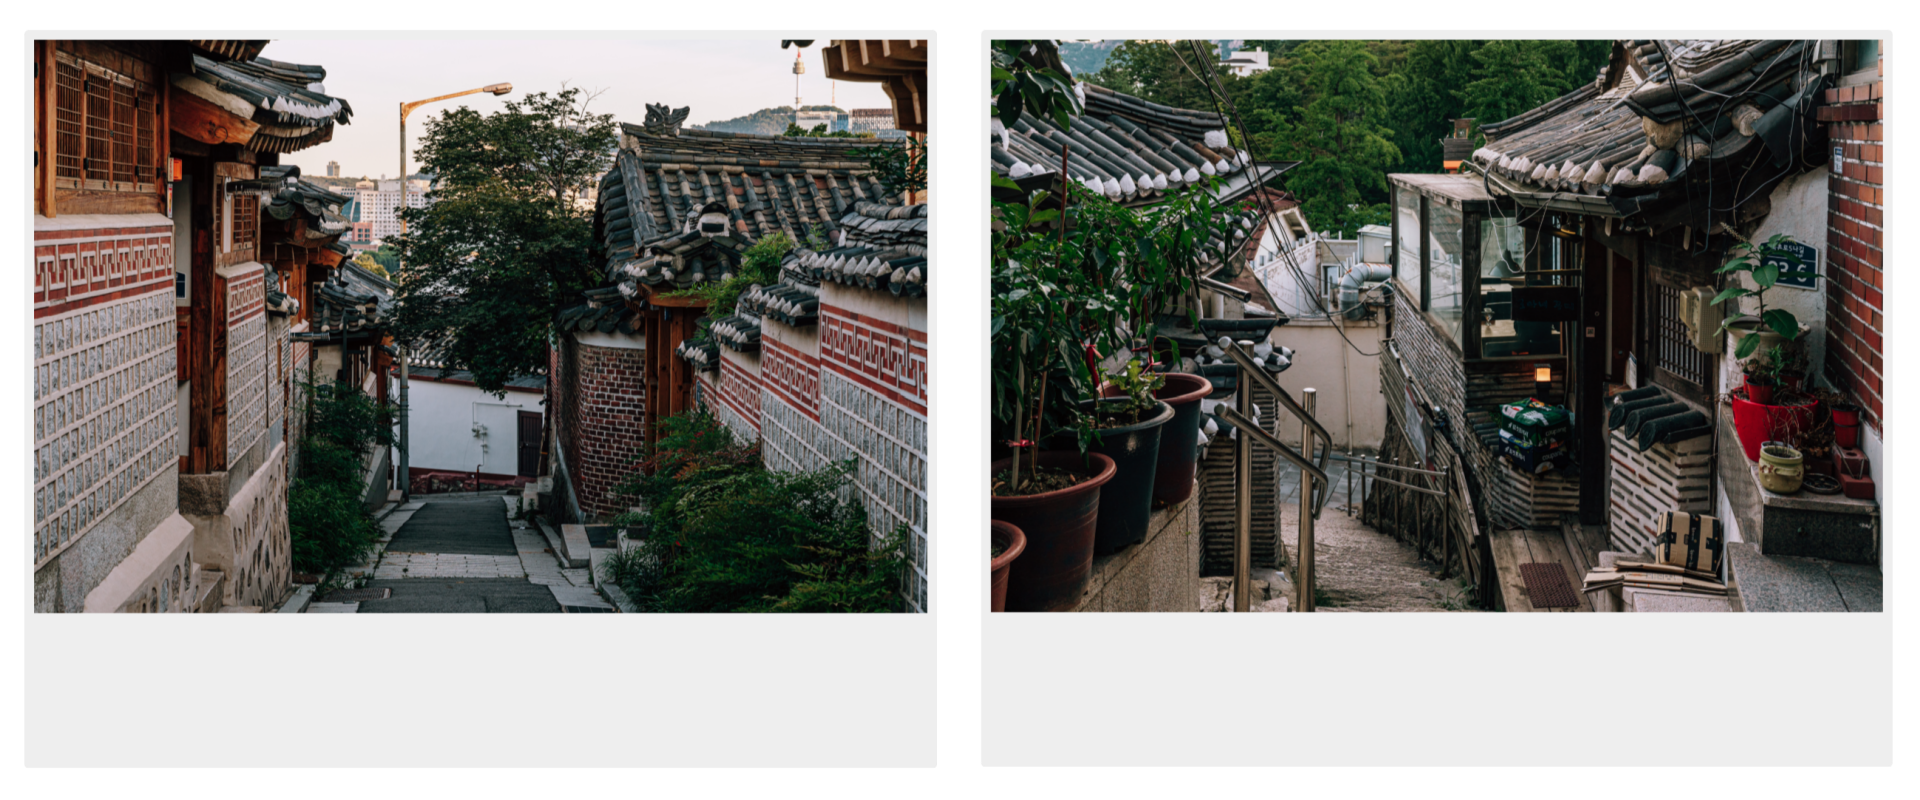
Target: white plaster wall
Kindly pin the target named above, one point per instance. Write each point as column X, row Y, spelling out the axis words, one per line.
column 440, row 427
column 1799, row 209
column 1345, row 381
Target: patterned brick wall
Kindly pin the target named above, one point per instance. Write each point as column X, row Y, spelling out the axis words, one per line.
column 737, row 388
column 247, row 365
column 72, row 268
column 604, row 422
column 882, row 356
column 104, row 419
column 1855, row 227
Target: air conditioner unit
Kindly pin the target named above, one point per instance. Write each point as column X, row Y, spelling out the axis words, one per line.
column 1702, row 318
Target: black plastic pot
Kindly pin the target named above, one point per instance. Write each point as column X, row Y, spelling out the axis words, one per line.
column 1127, row 500
column 1179, row 438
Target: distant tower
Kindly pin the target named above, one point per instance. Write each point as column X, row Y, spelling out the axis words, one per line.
column 799, row 69
column 333, row 169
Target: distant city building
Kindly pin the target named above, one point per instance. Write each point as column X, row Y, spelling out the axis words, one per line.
column 834, row 120
column 379, row 200
column 333, row 169
column 877, row 121
column 1247, row 62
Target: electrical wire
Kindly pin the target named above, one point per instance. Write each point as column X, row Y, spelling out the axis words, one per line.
column 1229, row 113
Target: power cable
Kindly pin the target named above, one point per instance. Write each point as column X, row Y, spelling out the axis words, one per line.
column 1230, row 113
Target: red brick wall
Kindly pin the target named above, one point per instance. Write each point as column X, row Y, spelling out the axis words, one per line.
column 1855, row 203
column 605, row 415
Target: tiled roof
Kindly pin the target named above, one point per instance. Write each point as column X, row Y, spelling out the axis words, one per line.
column 428, row 359
column 764, row 183
column 230, row 49
column 605, row 311
column 287, row 100
column 1663, row 114
column 1126, row 148
column 350, row 299
column 880, row 247
column 289, row 195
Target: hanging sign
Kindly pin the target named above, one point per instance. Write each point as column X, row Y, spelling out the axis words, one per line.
column 1793, row 257
column 1546, row 303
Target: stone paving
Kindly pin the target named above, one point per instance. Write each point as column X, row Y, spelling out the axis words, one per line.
column 1356, row 567
column 447, row 565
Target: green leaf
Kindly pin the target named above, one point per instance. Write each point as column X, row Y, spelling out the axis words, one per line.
column 1043, row 215
column 999, row 180
column 998, row 324
column 1741, row 263
column 1007, row 107
column 1729, row 293
column 1748, row 344
column 1766, row 275
column 1782, row 322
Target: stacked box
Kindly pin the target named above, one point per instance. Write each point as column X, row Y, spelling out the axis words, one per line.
column 1534, row 436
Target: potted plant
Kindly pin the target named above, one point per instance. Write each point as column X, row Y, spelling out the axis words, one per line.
column 1780, row 468
column 1760, row 380
column 1179, row 437
column 1126, row 428
column 1767, row 328
column 1007, row 543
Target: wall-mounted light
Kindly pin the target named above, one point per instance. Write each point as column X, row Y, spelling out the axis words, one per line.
column 1542, row 381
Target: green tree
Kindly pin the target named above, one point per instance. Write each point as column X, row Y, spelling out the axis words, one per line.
column 1336, row 134
column 1512, row 76
column 503, row 245
column 1163, row 72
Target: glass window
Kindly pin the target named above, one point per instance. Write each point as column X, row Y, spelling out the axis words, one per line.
column 1406, row 260
column 1502, row 258
column 1444, row 226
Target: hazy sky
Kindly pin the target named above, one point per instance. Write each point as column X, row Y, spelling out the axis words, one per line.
column 717, row 79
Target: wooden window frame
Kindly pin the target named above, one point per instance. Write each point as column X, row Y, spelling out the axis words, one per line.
column 133, row 140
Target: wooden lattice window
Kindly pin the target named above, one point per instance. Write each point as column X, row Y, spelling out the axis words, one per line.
column 1673, row 350
column 246, row 220
column 106, row 128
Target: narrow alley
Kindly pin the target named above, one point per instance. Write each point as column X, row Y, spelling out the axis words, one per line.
column 1356, row 567
column 466, row 554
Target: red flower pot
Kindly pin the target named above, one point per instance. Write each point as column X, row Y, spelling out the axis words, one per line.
column 1759, row 422
column 1761, row 393
column 1015, row 542
column 1179, row 440
column 1846, row 425
column 1059, row 527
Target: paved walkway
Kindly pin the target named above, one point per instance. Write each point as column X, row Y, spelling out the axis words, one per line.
column 465, row 554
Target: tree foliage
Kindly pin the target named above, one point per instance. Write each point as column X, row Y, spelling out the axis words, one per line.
column 329, row 523
column 503, row 245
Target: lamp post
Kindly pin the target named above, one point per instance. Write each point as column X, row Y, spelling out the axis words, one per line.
column 405, row 472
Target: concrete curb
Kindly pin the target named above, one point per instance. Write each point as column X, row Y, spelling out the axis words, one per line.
column 297, row 602
column 620, row 599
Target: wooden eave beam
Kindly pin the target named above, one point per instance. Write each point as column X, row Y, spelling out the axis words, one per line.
column 201, row 121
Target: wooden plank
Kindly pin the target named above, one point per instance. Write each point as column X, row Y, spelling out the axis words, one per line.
column 202, row 121
column 1513, row 594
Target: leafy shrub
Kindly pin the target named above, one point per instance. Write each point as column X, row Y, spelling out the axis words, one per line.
column 759, row 263
column 330, row 526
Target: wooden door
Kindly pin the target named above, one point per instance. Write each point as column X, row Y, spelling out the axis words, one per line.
column 1620, row 327
column 529, row 441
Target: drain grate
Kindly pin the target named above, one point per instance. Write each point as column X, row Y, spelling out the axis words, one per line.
column 584, row 610
column 1547, row 585
column 356, row 595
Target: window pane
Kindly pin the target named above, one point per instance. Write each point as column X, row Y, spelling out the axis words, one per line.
column 1502, row 245
column 1406, row 217
column 1444, row 225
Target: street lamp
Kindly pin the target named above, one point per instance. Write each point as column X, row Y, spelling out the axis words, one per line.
column 405, row 472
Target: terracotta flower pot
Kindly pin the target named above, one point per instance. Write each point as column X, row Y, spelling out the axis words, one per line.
column 1179, row 438
column 1128, row 501
column 1014, row 542
column 1059, row 528
column 1846, row 425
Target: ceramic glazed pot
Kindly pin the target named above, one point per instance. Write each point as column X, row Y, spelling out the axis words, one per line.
column 1179, row 439
column 1755, row 423
column 1128, row 501
column 1780, row 468
column 1059, row 529
column 1013, row 543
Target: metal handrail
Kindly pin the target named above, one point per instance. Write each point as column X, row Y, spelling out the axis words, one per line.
column 1274, row 444
column 1247, row 368
column 1378, row 464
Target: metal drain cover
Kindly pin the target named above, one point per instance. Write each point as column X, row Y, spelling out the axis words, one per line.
column 1547, row 585
column 355, row 595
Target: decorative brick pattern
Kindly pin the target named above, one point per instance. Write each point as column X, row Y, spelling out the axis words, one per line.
column 262, row 546
column 104, row 419
column 76, row 268
column 605, row 420
column 1856, row 204
column 739, row 394
column 882, row 357
column 247, row 368
column 890, row 440
column 792, row 375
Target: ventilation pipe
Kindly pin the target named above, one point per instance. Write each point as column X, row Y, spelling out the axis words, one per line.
column 1351, row 280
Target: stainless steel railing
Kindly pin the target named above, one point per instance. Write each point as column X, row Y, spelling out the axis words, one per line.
column 1314, row 487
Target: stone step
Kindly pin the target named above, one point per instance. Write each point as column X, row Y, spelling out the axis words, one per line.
column 1796, row 583
column 297, row 603
column 333, row 608
column 573, row 538
column 582, row 596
